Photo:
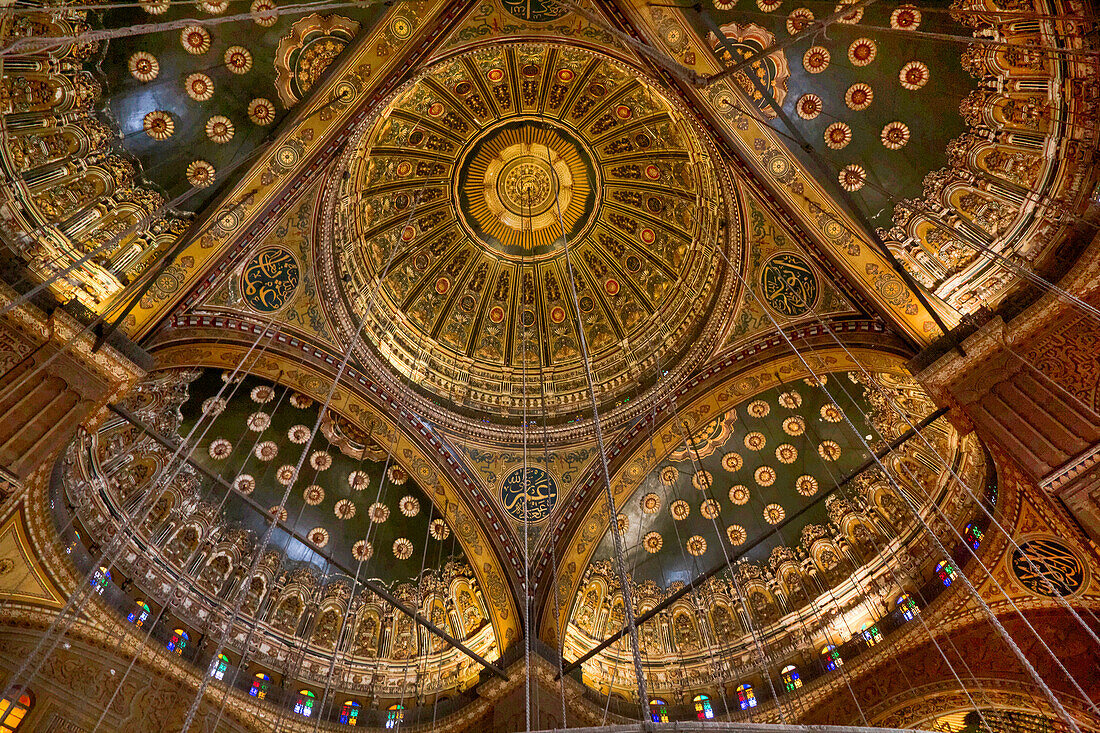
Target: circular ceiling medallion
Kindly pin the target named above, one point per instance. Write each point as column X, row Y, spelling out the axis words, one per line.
column 499, row 194
column 1048, row 567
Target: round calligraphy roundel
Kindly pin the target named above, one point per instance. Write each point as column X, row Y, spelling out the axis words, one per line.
column 541, row 494
column 1053, row 570
column 789, row 284
column 270, row 279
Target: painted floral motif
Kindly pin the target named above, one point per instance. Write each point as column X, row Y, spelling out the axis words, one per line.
column 696, row 545
column 358, row 480
column 279, row 512
column 736, row 534
column 154, row 7
column 831, row 413
column 220, row 449
column 402, row 548
column 320, row 460
column 702, row 480
column 724, row 4
column 791, row 400
column 313, row 495
column 809, row 106
column 219, row 129
column 755, row 441
column 213, row 406
column 806, row 485
column 732, row 462
column 409, row 506
column 397, row 475
column 774, row 514
column 914, row 75
column 794, row 426
column 769, row 6
column 263, row 13
column 199, row 86
column 143, row 66
column 258, row 421
column 710, row 508
column 318, row 536
column 859, row 96
column 651, row 503
column 862, row 51
column 816, row 59
column 214, row 7
column 244, row 484
column 378, row 512
column 261, row 111
column 238, row 59
column 622, row 522
column 669, row 475
column 439, row 530
column 652, row 542
column 298, row 434
column 344, row 509
column 852, row 177
column 285, row 475
column 759, row 408
column 895, row 135
column 200, row 174
column 362, row 550
column 195, row 39
column 786, row 453
column 765, row 475
column 739, row 494
column 679, row 510
column 828, row 450
column 905, row 18
column 266, row 450
column 799, row 20
column 262, row 395
column 850, row 18
column 301, row 401
column 838, row 135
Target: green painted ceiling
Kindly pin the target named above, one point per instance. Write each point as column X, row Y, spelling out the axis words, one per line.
column 233, row 425
column 931, row 112
column 672, row 562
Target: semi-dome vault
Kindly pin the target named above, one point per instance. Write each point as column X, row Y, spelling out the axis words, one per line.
column 423, row 283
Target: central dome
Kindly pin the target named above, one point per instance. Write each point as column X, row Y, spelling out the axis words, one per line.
column 499, row 195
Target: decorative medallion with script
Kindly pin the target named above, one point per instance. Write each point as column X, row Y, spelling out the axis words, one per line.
column 538, row 495
column 536, row 11
column 789, row 284
column 1054, row 569
column 270, row 279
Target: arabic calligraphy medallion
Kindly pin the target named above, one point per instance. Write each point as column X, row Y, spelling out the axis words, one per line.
column 541, row 494
column 270, row 279
column 789, row 284
column 1054, row 570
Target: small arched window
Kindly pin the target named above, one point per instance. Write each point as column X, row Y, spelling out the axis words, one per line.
column 746, row 697
column 907, row 607
column 395, row 715
column 14, row 708
column 139, row 615
column 304, row 706
column 658, row 710
column 791, row 679
column 100, row 578
column 703, row 709
column 945, row 571
column 177, row 642
column 260, row 683
column 218, row 668
column 973, row 534
column 870, row 633
column 831, row 657
column 349, row 713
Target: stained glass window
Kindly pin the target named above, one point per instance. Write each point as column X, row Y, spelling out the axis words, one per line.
column 217, row 669
column 100, row 578
column 304, row 706
column 746, row 696
column 791, row 679
column 871, row 634
column 703, row 710
column 259, row 685
column 658, row 710
column 907, row 607
column 832, row 657
column 14, row 709
column 973, row 534
column 139, row 615
column 177, row 642
column 349, row 713
column 945, row 571
column 395, row 715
